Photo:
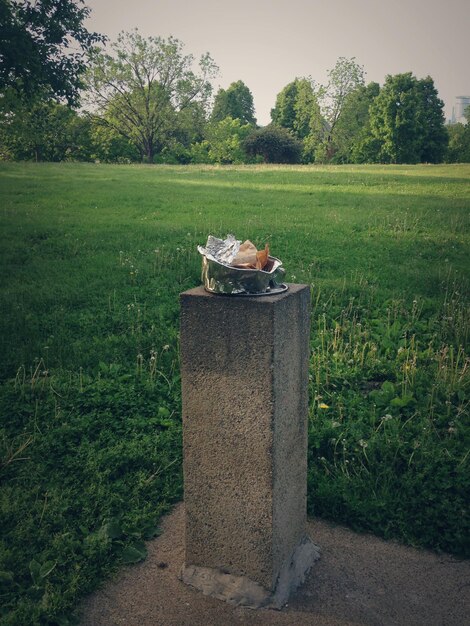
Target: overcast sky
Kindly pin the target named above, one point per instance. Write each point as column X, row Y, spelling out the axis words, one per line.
column 267, row 43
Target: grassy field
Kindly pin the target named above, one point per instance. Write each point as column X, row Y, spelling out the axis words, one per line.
column 93, row 258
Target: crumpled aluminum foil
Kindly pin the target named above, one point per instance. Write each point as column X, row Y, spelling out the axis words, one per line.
column 218, row 276
column 221, row 250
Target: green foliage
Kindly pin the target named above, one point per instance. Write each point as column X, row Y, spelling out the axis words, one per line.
column 109, row 146
column 199, row 152
column 97, row 459
column 43, row 47
column 298, row 110
column 459, row 141
column 407, row 119
column 284, row 112
column 143, row 87
column 388, row 439
column 43, row 131
column 191, row 124
column 430, row 113
column 225, row 141
column 308, row 120
column 352, row 131
column 235, row 102
column 274, row 144
column 345, row 78
column 94, row 258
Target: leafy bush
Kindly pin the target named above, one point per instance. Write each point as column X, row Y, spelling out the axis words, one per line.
column 199, row 152
column 175, row 154
column 225, row 140
column 274, row 144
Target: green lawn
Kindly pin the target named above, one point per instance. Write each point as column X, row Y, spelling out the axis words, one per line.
column 93, row 259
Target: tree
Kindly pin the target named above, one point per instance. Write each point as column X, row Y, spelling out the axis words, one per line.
column 353, row 126
column 297, row 109
column 308, row 118
column 43, row 47
column 309, row 124
column 235, row 102
column 434, row 137
column 284, row 113
column 191, row 124
column 142, row 88
column 407, row 119
column 109, row 146
column 345, row 78
column 459, row 141
column 44, row 131
column 274, row 144
column 312, row 112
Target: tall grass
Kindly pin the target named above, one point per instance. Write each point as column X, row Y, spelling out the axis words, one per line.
column 93, row 259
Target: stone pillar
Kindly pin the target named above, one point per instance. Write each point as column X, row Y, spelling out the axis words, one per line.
column 244, row 368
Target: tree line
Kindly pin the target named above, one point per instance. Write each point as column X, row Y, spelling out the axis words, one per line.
column 144, row 100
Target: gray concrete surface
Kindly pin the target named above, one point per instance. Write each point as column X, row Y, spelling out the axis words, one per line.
column 244, row 369
column 360, row 580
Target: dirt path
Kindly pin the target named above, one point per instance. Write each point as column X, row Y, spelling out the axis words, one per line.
column 359, row 580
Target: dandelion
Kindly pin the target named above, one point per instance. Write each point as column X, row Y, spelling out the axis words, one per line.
column 322, row 405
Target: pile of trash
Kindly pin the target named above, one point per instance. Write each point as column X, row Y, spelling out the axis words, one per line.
column 232, row 267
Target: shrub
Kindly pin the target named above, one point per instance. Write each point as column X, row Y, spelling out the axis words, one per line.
column 274, row 144
column 226, row 140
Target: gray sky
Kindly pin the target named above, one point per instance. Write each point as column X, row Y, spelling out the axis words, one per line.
column 267, row 43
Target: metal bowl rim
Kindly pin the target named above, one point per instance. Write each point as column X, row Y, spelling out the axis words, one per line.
column 246, row 269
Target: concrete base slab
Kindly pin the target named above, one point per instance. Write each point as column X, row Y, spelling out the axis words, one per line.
column 242, row 591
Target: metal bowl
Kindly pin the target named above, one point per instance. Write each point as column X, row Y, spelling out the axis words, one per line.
column 225, row 279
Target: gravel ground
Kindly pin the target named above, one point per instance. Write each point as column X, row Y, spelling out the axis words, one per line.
column 359, row 580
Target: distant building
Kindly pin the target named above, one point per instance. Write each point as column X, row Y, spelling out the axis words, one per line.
column 461, row 103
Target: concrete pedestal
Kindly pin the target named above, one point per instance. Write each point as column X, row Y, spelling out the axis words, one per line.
column 244, row 366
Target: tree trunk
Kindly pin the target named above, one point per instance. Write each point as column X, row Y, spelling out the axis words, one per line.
column 149, row 154
column 149, row 150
